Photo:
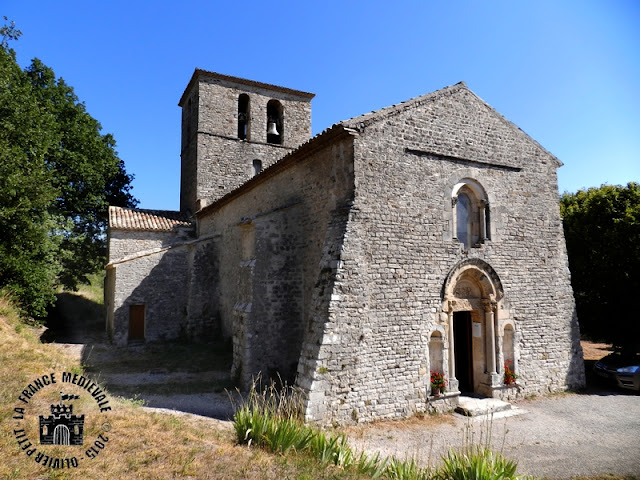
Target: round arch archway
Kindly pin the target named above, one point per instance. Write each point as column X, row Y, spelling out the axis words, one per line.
column 472, row 297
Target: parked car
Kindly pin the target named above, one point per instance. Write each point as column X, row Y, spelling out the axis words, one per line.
column 621, row 369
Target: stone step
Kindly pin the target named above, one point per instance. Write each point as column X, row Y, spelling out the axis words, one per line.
column 473, row 407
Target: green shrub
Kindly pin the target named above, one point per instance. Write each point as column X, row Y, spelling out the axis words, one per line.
column 284, row 434
column 477, row 463
column 271, row 417
column 371, row 465
column 406, row 470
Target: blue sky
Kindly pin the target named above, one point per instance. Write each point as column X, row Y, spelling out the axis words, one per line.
column 566, row 72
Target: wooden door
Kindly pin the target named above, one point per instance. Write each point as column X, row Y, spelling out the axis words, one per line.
column 136, row 322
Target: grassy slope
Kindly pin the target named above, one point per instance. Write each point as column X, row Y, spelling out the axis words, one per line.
column 143, row 444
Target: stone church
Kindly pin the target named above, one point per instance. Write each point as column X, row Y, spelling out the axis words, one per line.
column 423, row 237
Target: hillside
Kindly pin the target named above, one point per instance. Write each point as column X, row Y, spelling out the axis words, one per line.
column 141, row 443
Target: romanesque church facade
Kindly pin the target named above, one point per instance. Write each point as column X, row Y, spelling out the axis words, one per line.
column 422, row 237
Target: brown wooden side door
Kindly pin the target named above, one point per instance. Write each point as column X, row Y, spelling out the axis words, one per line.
column 136, row 322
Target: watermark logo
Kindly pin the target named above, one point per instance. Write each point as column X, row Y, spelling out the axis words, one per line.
column 77, row 409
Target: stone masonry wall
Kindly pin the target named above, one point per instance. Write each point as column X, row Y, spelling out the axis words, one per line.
column 203, row 290
column 123, row 243
column 158, row 281
column 271, row 242
column 373, row 358
column 224, row 163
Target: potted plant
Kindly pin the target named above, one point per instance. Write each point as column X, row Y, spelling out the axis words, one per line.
column 509, row 375
column 438, row 383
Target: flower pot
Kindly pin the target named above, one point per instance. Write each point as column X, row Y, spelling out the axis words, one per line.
column 435, row 391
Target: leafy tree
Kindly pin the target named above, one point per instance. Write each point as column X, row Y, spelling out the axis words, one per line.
column 58, row 175
column 602, row 230
column 8, row 32
column 87, row 175
column 27, row 266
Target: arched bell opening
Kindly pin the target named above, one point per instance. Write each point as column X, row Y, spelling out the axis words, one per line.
column 275, row 122
column 244, row 124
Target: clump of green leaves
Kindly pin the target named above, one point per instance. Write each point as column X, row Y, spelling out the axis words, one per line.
column 406, row 470
column 477, row 463
column 8, row 32
column 602, row 231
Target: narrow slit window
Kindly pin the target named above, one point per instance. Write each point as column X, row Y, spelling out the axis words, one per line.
column 243, row 117
column 257, row 167
column 463, row 206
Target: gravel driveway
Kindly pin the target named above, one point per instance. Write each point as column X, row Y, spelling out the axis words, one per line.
column 561, row 436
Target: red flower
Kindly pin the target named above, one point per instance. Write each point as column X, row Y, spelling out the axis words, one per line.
column 509, row 375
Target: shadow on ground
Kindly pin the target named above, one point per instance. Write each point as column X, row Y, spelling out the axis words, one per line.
column 189, row 377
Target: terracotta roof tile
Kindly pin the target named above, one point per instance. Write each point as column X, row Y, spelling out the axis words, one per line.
column 147, row 220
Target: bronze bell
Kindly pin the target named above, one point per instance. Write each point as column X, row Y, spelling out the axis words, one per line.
column 271, row 129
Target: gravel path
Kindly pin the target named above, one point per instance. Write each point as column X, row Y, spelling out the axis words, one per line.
column 562, row 436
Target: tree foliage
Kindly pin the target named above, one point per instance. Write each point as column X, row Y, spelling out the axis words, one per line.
column 602, row 231
column 87, row 175
column 58, row 175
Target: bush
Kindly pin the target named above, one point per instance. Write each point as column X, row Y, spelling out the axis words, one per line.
column 477, row 463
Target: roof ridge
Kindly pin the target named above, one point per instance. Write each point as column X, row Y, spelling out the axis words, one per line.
column 123, row 218
column 366, row 119
column 243, row 81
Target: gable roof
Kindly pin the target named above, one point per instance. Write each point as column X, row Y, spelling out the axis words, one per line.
column 360, row 123
column 147, row 220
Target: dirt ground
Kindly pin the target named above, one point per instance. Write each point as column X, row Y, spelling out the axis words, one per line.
column 595, row 351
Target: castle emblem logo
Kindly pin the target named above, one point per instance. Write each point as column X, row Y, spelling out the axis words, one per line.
column 81, row 413
column 62, row 427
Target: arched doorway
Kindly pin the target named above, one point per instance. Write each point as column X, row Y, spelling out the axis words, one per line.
column 463, row 340
column 472, row 300
column 61, row 435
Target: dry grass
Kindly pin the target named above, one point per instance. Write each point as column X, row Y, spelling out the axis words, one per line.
column 142, row 444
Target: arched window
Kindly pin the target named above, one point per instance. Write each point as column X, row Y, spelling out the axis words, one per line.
column 471, row 213
column 243, row 117
column 257, row 167
column 463, row 219
column 275, row 122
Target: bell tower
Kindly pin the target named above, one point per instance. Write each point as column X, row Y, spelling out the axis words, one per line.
column 233, row 128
